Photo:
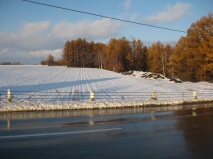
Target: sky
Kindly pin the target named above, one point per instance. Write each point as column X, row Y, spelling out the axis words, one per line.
column 30, row 32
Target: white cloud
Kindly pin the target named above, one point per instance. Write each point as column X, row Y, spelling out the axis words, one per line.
column 126, row 4
column 31, row 29
column 23, row 56
column 41, row 35
column 31, row 36
column 171, row 13
column 86, row 29
column 44, row 53
column 38, row 40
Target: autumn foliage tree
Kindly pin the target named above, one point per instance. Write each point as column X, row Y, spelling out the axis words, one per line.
column 154, row 57
column 118, row 55
column 193, row 54
column 50, row 61
column 139, row 53
column 124, row 55
column 78, row 53
column 99, row 50
column 158, row 58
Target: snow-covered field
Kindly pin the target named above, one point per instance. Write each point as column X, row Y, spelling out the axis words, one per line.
column 49, row 88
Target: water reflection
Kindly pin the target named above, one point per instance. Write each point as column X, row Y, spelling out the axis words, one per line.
column 197, row 131
column 184, row 132
column 8, row 123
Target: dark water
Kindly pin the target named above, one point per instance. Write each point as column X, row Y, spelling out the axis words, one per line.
column 197, row 131
column 143, row 133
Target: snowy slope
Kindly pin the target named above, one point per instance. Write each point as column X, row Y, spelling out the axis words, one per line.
column 57, row 86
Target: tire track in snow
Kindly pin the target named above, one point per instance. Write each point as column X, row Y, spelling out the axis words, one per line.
column 103, row 83
column 87, row 88
column 43, row 86
column 93, row 78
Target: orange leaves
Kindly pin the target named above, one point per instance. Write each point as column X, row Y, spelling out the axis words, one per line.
column 194, row 52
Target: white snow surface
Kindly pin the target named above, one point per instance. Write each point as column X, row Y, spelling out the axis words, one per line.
column 35, row 87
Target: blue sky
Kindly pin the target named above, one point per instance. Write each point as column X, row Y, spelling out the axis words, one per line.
column 30, row 32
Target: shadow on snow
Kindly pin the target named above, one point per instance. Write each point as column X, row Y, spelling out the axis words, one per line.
column 52, row 86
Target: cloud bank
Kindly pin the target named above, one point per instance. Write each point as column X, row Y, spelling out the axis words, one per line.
column 170, row 13
column 90, row 30
column 35, row 41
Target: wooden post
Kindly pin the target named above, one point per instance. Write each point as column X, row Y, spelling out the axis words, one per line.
column 9, row 95
column 154, row 96
column 92, row 96
column 194, row 94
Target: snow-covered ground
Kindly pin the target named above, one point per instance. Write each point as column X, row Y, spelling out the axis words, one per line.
column 48, row 88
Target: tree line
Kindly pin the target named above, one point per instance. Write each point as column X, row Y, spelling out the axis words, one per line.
column 190, row 59
column 10, row 63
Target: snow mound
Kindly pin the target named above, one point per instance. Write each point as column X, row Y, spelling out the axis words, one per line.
column 145, row 75
column 150, row 75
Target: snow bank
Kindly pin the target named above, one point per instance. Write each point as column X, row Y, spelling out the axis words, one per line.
column 56, row 88
column 37, row 106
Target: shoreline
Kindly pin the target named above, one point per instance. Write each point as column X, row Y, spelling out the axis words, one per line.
column 96, row 105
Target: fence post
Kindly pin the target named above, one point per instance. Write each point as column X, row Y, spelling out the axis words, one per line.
column 9, row 95
column 92, row 96
column 154, row 96
column 194, row 94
